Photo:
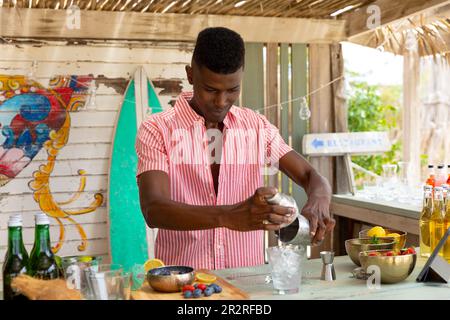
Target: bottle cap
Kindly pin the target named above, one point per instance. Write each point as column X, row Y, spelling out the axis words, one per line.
column 430, row 166
column 41, row 218
column 441, row 166
column 15, row 220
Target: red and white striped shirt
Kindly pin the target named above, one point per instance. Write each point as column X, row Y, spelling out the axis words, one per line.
column 175, row 141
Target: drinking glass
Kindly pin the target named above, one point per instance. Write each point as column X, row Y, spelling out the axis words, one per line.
column 390, row 182
column 73, row 270
column 106, row 282
column 285, row 266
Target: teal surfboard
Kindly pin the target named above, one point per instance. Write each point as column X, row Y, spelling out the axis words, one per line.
column 130, row 239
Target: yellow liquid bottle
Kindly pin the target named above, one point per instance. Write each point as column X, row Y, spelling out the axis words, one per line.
column 446, row 226
column 424, row 221
column 437, row 220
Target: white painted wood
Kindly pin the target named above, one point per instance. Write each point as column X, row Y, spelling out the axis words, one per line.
column 95, row 247
column 99, row 216
column 69, row 167
column 25, row 202
column 62, row 184
column 80, row 151
column 63, row 53
column 174, row 27
column 109, row 70
column 335, row 144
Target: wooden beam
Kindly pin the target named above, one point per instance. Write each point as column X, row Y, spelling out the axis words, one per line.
column 375, row 217
column 272, row 113
column 390, row 11
column 322, row 116
column 411, row 114
column 45, row 23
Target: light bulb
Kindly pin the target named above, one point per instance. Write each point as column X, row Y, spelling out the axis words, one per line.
column 91, row 104
column 411, row 41
column 304, row 111
column 32, row 70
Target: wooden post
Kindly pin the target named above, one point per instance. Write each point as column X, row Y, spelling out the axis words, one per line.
column 272, row 113
column 411, row 114
column 322, row 115
column 343, row 174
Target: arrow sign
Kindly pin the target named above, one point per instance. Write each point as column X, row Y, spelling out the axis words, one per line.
column 318, row 143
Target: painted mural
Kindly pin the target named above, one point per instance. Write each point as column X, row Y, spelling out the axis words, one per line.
column 32, row 118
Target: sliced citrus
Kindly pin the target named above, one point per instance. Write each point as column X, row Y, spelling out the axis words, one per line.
column 152, row 264
column 394, row 235
column 205, row 278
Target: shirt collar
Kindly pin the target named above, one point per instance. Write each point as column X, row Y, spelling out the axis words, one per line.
column 188, row 117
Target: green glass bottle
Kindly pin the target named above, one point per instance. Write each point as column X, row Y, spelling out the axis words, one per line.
column 42, row 260
column 16, row 258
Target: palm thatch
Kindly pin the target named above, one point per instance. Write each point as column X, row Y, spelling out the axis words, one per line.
column 429, row 39
column 262, row 8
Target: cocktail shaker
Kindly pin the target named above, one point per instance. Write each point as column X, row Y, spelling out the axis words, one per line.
column 296, row 233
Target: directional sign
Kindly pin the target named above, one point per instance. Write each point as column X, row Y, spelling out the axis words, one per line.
column 336, row 144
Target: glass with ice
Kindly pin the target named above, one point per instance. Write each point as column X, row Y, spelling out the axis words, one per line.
column 285, row 266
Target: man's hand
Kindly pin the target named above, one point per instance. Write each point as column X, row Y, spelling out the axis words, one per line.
column 256, row 214
column 317, row 211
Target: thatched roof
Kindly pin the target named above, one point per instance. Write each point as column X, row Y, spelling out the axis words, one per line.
column 261, row 8
column 431, row 31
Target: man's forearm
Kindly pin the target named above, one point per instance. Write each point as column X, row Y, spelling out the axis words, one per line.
column 317, row 185
column 168, row 214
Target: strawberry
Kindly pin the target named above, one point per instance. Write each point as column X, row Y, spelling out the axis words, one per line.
column 372, row 254
column 389, row 254
column 201, row 286
column 411, row 251
column 188, row 288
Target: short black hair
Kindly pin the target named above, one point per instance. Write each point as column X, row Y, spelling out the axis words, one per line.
column 219, row 49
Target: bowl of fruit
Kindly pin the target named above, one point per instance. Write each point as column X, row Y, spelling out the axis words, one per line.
column 380, row 232
column 357, row 245
column 394, row 265
column 170, row 278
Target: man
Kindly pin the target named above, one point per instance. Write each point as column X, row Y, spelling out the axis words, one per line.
column 201, row 163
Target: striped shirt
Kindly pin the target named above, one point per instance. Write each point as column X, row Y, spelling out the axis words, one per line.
column 176, row 141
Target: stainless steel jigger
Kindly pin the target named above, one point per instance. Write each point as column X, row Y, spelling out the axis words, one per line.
column 328, row 273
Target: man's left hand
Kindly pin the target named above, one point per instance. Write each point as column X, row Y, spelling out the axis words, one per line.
column 317, row 211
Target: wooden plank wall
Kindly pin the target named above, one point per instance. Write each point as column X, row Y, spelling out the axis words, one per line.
column 89, row 144
column 275, row 77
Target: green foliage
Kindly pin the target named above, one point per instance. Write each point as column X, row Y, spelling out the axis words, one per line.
column 371, row 108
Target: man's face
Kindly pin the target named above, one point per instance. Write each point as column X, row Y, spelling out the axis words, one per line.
column 214, row 93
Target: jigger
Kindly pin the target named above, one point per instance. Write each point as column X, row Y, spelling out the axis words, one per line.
column 328, row 273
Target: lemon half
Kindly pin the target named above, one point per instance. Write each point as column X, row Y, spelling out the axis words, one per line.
column 377, row 232
column 205, row 278
column 152, row 264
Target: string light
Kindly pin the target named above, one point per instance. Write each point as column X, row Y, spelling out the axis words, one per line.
column 304, row 112
column 411, row 41
column 32, row 70
column 91, row 103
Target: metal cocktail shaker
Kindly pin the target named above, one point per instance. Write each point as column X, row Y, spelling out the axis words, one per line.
column 296, row 233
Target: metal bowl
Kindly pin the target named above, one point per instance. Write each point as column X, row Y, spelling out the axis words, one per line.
column 393, row 269
column 355, row 246
column 170, row 278
column 401, row 241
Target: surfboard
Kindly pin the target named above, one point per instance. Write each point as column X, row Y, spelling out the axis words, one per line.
column 131, row 241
